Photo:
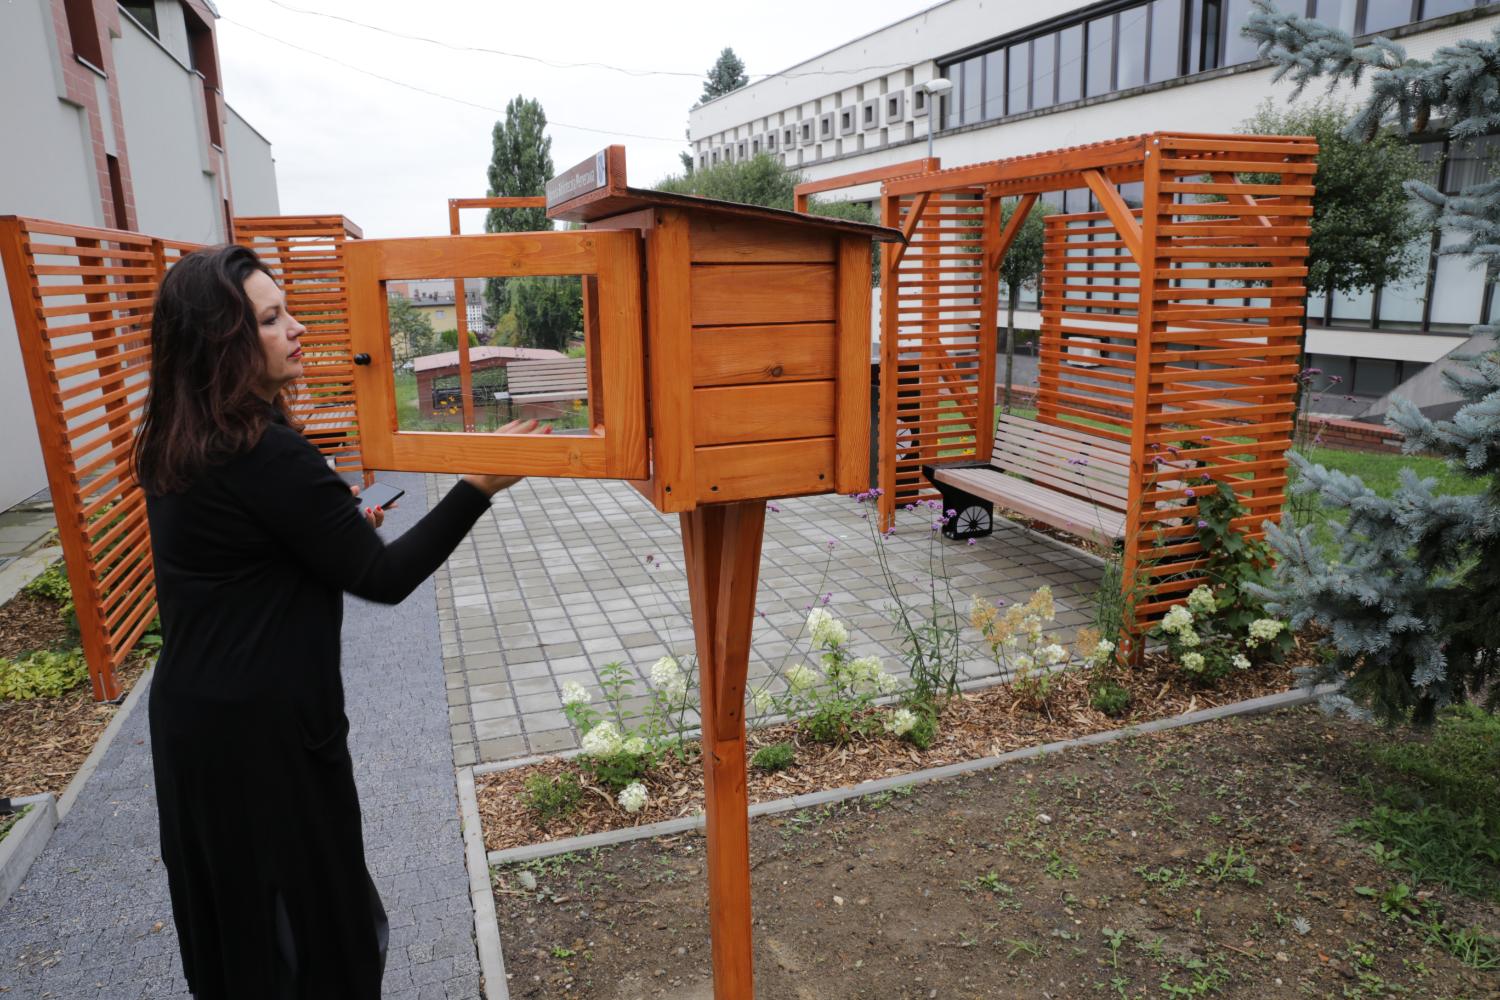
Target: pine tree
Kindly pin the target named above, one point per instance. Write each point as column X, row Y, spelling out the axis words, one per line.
column 1022, row 266
column 726, row 74
column 520, row 166
column 1412, row 597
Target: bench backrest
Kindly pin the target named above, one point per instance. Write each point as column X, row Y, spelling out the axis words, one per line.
column 1073, row 461
column 530, row 378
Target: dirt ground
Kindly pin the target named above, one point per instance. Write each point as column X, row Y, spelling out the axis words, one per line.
column 1202, row 862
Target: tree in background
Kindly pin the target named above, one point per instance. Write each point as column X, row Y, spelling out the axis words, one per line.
column 548, row 311
column 726, row 74
column 765, row 181
column 1021, row 267
column 1365, row 233
column 1412, row 596
column 412, row 334
column 450, row 339
column 520, row 166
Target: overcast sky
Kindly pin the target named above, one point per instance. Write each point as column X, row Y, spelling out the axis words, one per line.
column 390, row 157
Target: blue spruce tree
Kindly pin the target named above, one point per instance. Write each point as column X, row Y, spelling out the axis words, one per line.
column 1412, row 596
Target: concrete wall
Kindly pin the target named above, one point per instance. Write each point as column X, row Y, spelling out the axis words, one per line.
column 252, row 169
column 47, row 173
column 162, row 104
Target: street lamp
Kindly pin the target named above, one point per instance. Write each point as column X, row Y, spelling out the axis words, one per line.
column 934, row 89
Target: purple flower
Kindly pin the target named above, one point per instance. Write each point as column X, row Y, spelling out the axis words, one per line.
column 827, row 597
column 1078, row 460
column 1189, row 493
column 773, row 508
column 973, row 541
column 1202, row 524
column 650, row 557
column 950, row 513
column 831, row 544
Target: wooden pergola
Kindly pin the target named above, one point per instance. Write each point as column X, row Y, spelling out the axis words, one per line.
column 1170, row 327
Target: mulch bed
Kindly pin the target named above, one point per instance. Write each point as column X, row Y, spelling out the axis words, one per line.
column 1089, row 874
column 44, row 741
column 979, row 724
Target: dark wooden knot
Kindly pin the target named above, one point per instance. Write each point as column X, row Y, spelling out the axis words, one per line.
column 776, row 372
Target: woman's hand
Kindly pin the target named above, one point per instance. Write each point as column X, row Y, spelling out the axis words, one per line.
column 375, row 515
column 490, row 485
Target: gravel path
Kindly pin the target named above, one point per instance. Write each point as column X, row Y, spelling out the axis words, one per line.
column 93, row 920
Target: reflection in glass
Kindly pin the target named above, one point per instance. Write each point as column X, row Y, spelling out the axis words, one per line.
column 526, row 355
column 1070, row 63
column 1130, row 65
column 1336, row 13
column 1019, row 89
column 994, row 84
column 973, row 89
column 1043, row 70
column 1166, row 40
column 1100, row 57
column 1238, row 48
column 1457, row 288
column 1381, row 15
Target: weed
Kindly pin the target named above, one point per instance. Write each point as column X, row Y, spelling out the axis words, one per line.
column 1059, row 869
column 1228, row 865
column 1110, row 698
column 1020, row 946
column 1114, row 938
column 776, row 757
column 558, row 951
column 552, row 798
column 1169, row 879
column 42, row 674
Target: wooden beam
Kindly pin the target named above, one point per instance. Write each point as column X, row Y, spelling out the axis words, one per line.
column 806, row 189
column 913, row 218
column 1119, row 214
column 722, row 545
column 1012, row 228
column 1240, row 199
column 1053, row 171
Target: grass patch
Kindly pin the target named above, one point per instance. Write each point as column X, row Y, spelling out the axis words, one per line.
column 1435, row 805
column 7, row 823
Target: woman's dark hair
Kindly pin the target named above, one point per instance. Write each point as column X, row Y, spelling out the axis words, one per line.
column 207, row 368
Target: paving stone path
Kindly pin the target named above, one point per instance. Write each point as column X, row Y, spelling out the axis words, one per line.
column 563, row 576
column 92, row 921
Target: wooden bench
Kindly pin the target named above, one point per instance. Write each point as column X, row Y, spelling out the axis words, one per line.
column 1062, row 476
column 550, row 381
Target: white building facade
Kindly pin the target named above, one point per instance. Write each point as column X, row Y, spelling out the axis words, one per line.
column 1055, row 73
column 114, row 117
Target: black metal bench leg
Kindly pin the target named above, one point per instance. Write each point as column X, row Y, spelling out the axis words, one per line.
column 973, row 517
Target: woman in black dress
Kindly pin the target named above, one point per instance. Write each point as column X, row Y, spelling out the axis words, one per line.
column 255, row 541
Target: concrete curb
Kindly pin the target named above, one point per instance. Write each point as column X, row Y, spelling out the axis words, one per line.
column 101, row 746
column 23, row 569
column 1253, row 706
column 26, row 841
column 486, row 923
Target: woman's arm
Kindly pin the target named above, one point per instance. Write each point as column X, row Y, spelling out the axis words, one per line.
column 291, row 491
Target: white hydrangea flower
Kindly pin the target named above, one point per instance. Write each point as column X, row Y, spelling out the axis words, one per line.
column 1177, row 617
column 633, row 798
column 827, row 631
column 865, row 669
column 1192, row 662
column 763, row 701
column 801, row 677
column 636, row 746
column 887, row 683
column 1201, row 600
column 1241, row 661
column 1264, row 630
column 1053, row 655
column 574, row 693
column 1188, row 636
column 602, row 741
column 900, row 722
column 668, row 678
column 1102, row 652
column 1032, row 626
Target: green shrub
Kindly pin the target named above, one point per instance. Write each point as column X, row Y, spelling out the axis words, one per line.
column 1110, row 698
column 42, row 674
column 52, row 584
column 776, row 757
column 552, row 798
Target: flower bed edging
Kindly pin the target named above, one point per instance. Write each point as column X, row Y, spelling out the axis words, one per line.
column 1252, row 706
column 486, row 922
column 26, row 840
column 101, row 745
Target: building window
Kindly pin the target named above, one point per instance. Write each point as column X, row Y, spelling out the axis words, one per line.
column 1165, row 59
column 1099, row 75
column 144, row 12
column 83, row 30
column 1130, row 47
column 1070, row 64
column 1043, row 72
column 1018, row 89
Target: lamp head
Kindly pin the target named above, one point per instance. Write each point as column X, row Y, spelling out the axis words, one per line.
column 938, row 87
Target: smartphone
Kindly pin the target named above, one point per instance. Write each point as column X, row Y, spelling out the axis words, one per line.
column 379, row 495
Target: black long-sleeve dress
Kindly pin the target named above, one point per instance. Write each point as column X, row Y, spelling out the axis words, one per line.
column 260, row 821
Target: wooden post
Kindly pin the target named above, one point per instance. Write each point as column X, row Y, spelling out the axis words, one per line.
column 722, row 548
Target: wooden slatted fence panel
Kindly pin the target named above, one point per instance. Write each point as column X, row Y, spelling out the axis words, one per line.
column 937, row 326
column 306, row 255
column 82, row 299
